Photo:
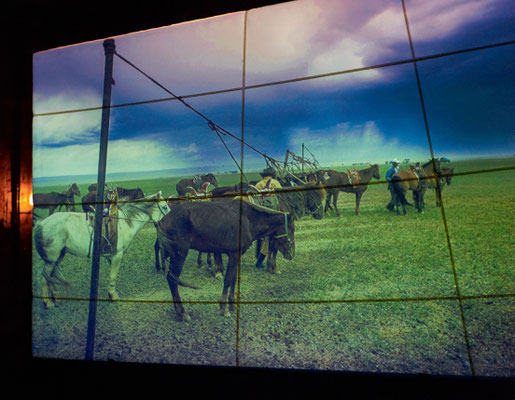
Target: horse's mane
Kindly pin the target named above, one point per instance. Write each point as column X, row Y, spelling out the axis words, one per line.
column 429, row 162
column 132, row 209
column 316, row 188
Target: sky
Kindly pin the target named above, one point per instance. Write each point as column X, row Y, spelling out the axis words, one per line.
column 370, row 115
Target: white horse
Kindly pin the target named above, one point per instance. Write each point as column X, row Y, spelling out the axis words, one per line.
column 72, row 233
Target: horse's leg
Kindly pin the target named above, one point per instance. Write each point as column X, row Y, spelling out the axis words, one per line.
column 157, row 253
column 229, row 283
column 335, row 200
column 328, row 201
column 259, row 256
column 358, row 201
column 199, row 259
column 271, row 261
column 48, row 293
column 209, row 262
column 174, row 272
column 116, row 262
column 52, row 275
column 219, row 265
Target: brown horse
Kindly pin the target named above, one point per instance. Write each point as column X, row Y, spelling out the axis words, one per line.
column 183, row 184
column 53, row 200
column 403, row 181
column 229, row 228
column 357, row 184
column 432, row 177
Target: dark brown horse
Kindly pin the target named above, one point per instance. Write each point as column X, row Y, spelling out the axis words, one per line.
column 446, row 178
column 219, row 227
column 339, row 181
column 160, row 262
column 432, row 176
column 89, row 200
column 196, row 184
column 53, row 200
column 129, row 194
column 70, row 194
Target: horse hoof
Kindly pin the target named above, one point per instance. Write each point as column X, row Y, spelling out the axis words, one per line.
column 113, row 296
column 225, row 313
column 183, row 317
column 49, row 305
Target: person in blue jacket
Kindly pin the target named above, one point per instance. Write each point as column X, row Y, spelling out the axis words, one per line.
column 389, row 175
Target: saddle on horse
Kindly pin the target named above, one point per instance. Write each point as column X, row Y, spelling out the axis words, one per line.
column 353, row 177
column 201, row 194
column 109, row 240
column 263, row 194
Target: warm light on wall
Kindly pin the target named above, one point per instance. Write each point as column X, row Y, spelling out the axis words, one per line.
column 26, row 200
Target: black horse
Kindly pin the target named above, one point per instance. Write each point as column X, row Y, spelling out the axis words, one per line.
column 89, row 200
column 219, row 227
column 183, row 184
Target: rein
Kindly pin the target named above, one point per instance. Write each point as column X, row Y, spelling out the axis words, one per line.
column 286, row 229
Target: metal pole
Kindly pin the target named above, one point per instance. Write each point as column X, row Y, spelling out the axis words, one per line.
column 302, row 157
column 109, row 48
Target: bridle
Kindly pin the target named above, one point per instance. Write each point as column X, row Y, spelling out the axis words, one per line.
column 286, row 230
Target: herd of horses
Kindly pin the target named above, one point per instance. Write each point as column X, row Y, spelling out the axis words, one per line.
column 226, row 220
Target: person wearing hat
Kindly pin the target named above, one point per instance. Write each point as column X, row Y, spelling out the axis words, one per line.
column 389, row 175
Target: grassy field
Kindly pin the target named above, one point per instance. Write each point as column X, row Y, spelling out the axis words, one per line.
column 374, row 292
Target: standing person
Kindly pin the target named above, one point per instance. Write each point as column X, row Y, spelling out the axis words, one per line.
column 389, row 175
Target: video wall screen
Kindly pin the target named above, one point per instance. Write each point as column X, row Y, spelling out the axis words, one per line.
column 316, row 185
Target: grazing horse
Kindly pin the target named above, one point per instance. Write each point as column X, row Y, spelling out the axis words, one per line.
column 72, row 233
column 53, row 200
column 225, row 227
column 299, row 200
column 350, row 183
column 183, row 184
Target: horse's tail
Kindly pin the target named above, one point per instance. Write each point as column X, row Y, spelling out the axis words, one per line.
column 168, row 245
column 38, row 242
column 400, row 193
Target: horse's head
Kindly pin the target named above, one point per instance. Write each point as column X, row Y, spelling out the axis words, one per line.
column 448, row 172
column 285, row 241
column 75, row 189
column 162, row 208
column 315, row 200
column 375, row 171
column 210, row 178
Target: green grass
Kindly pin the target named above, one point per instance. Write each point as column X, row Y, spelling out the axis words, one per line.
column 348, row 260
